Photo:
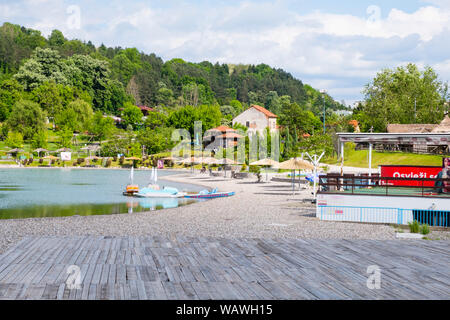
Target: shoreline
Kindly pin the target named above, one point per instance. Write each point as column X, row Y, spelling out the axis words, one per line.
column 257, row 210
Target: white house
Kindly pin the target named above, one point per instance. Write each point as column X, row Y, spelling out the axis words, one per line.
column 257, row 118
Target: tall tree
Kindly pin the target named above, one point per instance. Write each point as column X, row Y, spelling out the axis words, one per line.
column 403, row 95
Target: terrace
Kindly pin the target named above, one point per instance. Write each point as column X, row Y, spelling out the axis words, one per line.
column 376, row 199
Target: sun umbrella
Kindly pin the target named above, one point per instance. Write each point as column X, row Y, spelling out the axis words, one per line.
column 191, row 161
column 133, row 158
column 51, row 157
column 267, row 162
column 210, row 160
column 39, row 150
column 63, row 150
column 173, row 159
column 295, row 164
column 16, row 150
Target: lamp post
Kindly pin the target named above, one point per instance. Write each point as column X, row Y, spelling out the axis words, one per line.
column 323, row 92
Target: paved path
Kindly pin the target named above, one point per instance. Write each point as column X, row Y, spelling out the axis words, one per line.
column 200, row 268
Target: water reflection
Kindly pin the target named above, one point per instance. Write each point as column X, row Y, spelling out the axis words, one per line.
column 55, row 192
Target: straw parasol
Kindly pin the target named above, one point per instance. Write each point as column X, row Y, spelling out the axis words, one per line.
column 173, row 159
column 210, row 160
column 133, row 158
column 64, row 150
column 51, row 157
column 226, row 161
column 39, row 150
column 16, row 150
column 267, row 162
column 191, row 161
column 295, row 164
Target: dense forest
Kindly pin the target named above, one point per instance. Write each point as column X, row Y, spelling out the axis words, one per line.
column 75, row 85
column 112, row 76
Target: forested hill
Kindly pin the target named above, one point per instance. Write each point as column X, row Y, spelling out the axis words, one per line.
column 113, row 76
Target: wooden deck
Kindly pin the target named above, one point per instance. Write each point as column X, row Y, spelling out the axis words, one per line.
column 199, row 268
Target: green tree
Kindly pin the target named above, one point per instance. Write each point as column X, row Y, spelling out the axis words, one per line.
column 403, row 95
column 294, row 116
column 10, row 92
column 39, row 139
column 45, row 65
column 125, row 64
column 228, row 112
column 155, row 119
column 156, row 140
column 27, row 118
column 273, row 103
column 102, row 127
column 237, row 105
column 14, row 140
column 164, row 96
column 65, row 137
column 132, row 115
column 47, row 95
column 316, row 144
column 56, row 39
column 84, row 114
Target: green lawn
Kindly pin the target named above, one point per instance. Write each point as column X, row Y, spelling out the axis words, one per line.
column 360, row 159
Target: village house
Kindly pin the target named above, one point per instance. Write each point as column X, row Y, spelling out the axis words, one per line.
column 257, row 118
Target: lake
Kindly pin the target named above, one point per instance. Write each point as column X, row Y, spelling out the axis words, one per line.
column 27, row 193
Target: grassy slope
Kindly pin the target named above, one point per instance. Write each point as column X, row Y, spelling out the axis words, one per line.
column 360, row 158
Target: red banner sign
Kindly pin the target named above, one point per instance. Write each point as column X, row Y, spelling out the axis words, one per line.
column 412, row 172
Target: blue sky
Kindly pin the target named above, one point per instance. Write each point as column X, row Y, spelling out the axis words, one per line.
column 334, row 45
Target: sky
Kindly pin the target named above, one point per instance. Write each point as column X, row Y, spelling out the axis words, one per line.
column 338, row 46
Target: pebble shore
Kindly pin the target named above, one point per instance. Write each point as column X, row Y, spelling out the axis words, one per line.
column 258, row 210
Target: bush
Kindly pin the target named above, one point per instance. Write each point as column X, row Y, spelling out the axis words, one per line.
column 424, row 229
column 414, row 226
column 108, row 162
column 244, row 167
column 80, row 160
column 121, row 160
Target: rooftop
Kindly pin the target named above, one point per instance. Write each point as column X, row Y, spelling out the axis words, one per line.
column 264, row 110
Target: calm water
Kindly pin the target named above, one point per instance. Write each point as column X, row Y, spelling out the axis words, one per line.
column 26, row 193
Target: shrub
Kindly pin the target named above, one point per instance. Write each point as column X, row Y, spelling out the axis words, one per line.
column 424, row 229
column 80, row 160
column 244, row 167
column 414, row 226
column 121, row 160
column 108, row 162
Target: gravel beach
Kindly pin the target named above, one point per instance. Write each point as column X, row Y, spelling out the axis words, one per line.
column 258, row 210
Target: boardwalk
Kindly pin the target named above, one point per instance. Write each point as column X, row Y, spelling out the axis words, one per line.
column 200, row 268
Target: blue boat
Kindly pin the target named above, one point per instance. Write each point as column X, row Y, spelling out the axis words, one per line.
column 205, row 194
